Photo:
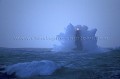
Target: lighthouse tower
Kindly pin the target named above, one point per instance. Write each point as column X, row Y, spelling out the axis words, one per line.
column 78, row 42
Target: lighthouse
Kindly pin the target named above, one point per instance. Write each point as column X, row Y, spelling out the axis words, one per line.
column 78, row 42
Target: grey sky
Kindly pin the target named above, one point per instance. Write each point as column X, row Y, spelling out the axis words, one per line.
column 36, row 18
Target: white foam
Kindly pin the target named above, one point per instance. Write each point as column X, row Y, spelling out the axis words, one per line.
column 28, row 69
column 88, row 39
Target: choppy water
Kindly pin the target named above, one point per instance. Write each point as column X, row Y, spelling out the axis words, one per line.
column 79, row 65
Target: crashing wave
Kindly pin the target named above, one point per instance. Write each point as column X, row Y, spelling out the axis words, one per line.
column 29, row 69
column 77, row 38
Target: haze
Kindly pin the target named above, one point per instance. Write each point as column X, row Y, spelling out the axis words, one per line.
column 36, row 18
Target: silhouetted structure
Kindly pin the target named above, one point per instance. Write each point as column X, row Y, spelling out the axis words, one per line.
column 78, row 42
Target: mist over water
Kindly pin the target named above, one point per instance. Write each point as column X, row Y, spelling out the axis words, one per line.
column 77, row 38
column 28, row 29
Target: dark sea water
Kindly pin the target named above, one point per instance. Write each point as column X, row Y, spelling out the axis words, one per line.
column 79, row 65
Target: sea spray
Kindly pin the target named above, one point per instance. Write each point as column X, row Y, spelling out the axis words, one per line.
column 87, row 41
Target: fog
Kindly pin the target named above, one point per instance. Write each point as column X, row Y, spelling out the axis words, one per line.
column 40, row 18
